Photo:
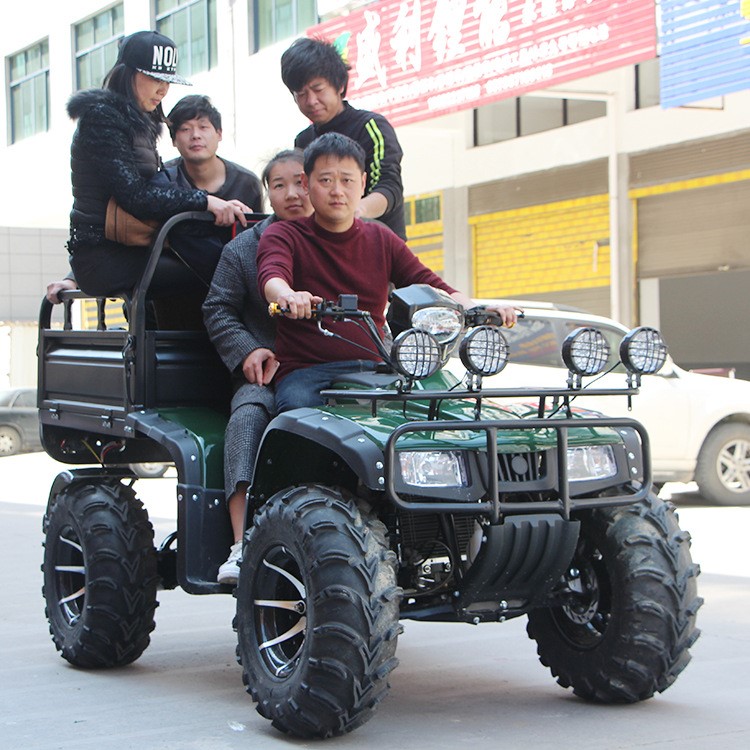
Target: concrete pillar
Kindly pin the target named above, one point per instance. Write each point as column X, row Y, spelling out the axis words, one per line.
column 622, row 272
column 457, row 249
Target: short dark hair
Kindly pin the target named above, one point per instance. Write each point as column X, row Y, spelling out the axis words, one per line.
column 310, row 58
column 290, row 154
column 333, row 144
column 192, row 107
column 121, row 80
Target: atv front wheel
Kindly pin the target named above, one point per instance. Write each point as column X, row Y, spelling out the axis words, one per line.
column 317, row 612
column 629, row 620
column 99, row 574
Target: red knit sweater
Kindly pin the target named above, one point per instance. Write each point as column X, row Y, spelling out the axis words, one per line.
column 362, row 260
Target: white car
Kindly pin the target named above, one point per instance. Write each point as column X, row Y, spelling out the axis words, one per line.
column 699, row 425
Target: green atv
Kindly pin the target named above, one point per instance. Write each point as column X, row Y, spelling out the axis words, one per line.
column 409, row 495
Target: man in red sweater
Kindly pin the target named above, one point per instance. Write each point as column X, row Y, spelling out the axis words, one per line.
column 303, row 262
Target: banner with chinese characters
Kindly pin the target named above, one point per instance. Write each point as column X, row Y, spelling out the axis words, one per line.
column 705, row 49
column 416, row 59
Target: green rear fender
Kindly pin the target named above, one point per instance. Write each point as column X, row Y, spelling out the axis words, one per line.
column 194, row 438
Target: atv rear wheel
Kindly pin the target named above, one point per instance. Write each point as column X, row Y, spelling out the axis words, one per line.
column 99, row 574
column 317, row 612
column 629, row 622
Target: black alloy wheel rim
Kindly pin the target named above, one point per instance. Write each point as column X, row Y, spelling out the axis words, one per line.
column 69, row 576
column 584, row 619
column 280, row 611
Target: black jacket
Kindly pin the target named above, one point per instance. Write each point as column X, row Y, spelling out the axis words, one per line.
column 383, row 157
column 113, row 153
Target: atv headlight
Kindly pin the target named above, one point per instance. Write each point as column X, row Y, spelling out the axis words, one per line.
column 591, row 462
column 585, row 351
column 484, row 350
column 416, row 354
column 643, row 351
column 444, row 323
column 405, row 304
column 433, row 468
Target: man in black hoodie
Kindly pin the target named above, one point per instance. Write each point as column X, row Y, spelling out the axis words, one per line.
column 195, row 128
column 317, row 77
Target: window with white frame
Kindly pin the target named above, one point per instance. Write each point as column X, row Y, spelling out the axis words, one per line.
column 95, row 43
column 281, row 19
column 28, row 83
column 191, row 25
column 524, row 115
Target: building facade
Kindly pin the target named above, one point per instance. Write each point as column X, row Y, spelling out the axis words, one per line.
column 585, row 191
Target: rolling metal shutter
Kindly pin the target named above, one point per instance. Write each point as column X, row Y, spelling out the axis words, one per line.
column 692, row 206
column 694, row 231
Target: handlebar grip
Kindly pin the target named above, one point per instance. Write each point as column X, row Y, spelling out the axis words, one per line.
column 480, row 315
column 275, row 310
column 319, row 311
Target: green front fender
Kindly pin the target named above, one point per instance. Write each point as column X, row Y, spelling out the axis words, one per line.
column 343, row 445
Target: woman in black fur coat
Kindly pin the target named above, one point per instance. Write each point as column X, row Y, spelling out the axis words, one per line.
column 114, row 154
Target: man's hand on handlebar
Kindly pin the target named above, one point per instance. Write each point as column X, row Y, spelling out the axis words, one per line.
column 508, row 313
column 496, row 315
column 227, row 212
column 294, row 305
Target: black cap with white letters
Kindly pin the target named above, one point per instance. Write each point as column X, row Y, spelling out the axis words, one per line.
column 151, row 53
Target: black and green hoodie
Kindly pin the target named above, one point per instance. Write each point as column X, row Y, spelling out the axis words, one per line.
column 383, row 157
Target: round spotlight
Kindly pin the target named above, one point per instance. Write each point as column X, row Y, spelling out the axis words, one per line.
column 585, row 351
column 416, row 354
column 484, row 351
column 643, row 350
column 444, row 323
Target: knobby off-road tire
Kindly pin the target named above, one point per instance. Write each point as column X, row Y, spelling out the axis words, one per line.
column 317, row 612
column 100, row 574
column 723, row 468
column 626, row 633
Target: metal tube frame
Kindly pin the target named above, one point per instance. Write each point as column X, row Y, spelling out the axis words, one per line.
column 493, row 505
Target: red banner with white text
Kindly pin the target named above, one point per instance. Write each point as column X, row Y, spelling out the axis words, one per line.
column 416, row 59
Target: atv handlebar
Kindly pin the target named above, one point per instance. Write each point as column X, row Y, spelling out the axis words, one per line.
column 346, row 307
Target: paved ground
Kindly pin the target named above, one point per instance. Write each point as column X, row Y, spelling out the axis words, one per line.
column 457, row 686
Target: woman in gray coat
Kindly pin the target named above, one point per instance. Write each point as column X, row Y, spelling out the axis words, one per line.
column 240, row 328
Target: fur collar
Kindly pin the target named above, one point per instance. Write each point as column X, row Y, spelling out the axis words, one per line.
column 112, row 105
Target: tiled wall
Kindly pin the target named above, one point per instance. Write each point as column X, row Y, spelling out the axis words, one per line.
column 29, row 260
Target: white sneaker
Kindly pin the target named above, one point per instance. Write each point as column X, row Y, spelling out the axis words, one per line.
column 229, row 572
